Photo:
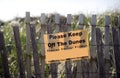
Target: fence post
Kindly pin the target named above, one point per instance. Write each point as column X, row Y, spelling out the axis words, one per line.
column 79, row 63
column 68, row 65
column 93, row 63
column 107, row 22
column 107, row 47
column 42, row 31
column 54, row 66
column 35, row 51
column 28, row 44
column 93, row 37
column 82, row 65
column 57, row 21
column 119, row 30
column 100, row 53
column 19, row 51
column 4, row 56
column 116, row 51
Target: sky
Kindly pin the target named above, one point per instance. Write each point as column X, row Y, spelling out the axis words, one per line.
column 10, row 9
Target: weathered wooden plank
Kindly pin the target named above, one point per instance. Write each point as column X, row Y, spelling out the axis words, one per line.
column 93, row 37
column 116, row 51
column 69, row 20
column 119, row 20
column 68, row 71
column 19, row 51
column 4, row 56
column 42, row 32
column 107, row 47
column 57, row 21
column 28, row 44
column 81, row 22
column 54, row 66
column 68, row 65
column 93, row 63
column 35, row 51
column 83, row 65
column 84, row 61
column 119, row 30
column 100, row 53
column 79, row 64
column 53, row 69
column 107, row 36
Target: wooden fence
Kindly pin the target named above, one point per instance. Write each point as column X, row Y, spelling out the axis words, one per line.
column 100, row 64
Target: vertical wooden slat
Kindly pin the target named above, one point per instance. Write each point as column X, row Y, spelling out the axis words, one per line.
column 93, row 64
column 116, row 51
column 100, row 53
column 19, row 51
column 28, row 50
column 4, row 56
column 84, row 62
column 42, row 31
column 107, row 22
column 107, row 47
column 119, row 30
column 57, row 21
column 54, row 66
column 82, row 65
column 69, row 20
column 81, row 22
column 68, row 65
column 35, row 51
column 93, row 37
column 79, row 64
column 53, row 70
column 119, row 41
column 119, row 20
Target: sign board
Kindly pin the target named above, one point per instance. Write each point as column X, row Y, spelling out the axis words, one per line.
column 66, row 45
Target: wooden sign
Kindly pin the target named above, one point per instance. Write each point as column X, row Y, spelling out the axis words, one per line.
column 66, row 45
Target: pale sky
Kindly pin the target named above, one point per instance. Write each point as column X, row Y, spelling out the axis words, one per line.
column 17, row 8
